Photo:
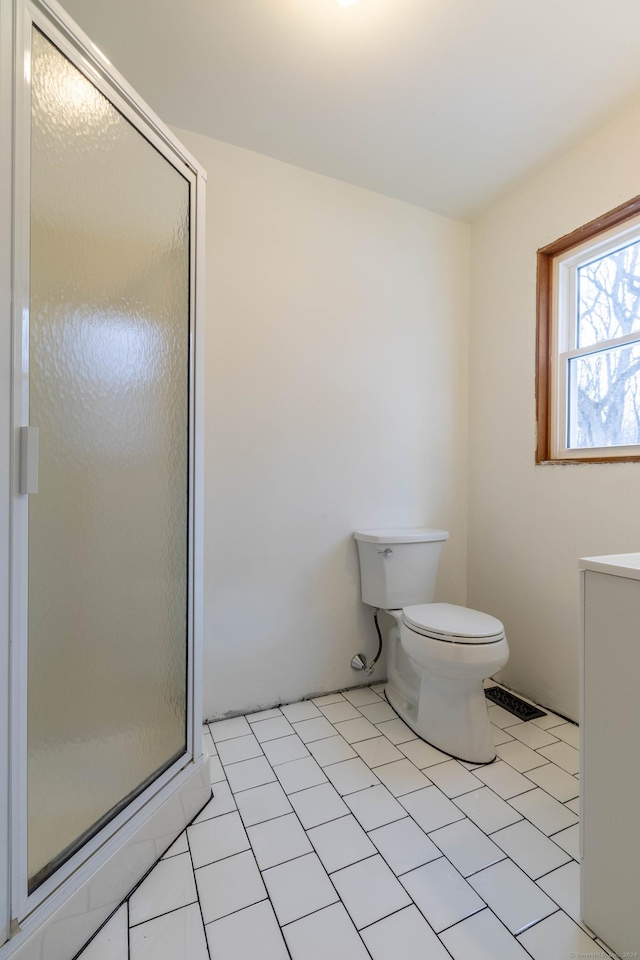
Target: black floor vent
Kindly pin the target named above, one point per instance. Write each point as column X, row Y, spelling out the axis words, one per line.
column 516, row 706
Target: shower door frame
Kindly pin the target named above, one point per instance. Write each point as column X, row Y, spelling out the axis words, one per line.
column 58, row 27
column 6, row 202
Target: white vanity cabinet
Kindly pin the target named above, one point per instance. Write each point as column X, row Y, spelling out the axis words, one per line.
column 610, row 750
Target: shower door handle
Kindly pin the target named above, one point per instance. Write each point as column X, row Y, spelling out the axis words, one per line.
column 29, row 440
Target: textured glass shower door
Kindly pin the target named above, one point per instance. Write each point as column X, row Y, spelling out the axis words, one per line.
column 108, row 367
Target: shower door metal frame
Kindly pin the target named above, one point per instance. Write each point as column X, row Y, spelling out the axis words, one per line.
column 58, row 27
column 6, row 202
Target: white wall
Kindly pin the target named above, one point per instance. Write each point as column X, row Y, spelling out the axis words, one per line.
column 529, row 524
column 336, row 398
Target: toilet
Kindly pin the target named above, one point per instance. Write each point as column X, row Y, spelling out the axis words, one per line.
column 438, row 654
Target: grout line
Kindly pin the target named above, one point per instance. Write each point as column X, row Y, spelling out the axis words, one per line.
column 392, row 914
column 485, row 906
column 339, row 900
column 165, row 913
column 266, row 897
column 406, row 815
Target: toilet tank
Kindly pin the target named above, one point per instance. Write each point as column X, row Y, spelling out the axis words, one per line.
column 398, row 567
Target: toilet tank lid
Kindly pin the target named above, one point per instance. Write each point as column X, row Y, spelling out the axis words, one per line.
column 450, row 620
column 403, row 535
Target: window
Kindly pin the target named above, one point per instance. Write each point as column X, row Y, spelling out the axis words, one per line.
column 588, row 363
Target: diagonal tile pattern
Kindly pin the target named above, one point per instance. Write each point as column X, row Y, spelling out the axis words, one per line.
column 334, row 831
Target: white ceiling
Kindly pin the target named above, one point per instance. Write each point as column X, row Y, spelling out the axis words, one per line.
column 443, row 103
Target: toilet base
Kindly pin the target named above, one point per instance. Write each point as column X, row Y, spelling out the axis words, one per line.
column 452, row 718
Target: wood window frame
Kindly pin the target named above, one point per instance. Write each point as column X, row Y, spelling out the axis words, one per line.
column 545, row 345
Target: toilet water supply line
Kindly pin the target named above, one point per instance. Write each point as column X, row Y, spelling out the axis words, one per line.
column 359, row 662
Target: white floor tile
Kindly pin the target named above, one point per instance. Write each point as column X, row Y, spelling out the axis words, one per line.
column 501, row 718
column 564, row 755
column 351, row 775
column 543, row 811
column 318, row 805
column 216, row 772
column 328, row 934
column 179, row 846
column 378, row 712
column 482, row 937
column 607, row 951
column 279, row 840
column 374, row 807
column 239, row 748
column 262, row 803
column 402, row 777
column 404, row 845
column 555, row 781
column 176, row 934
column 335, row 712
column 467, row 847
column 229, row 885
column 215, row 839
column 405, row 935
column 245, row 935
column 354, row 730
column 503, row 779
column 369, row 891
column 226, row 729
column 316, row 729
column 379, row 688
column 302, row 747
column 441, row 894
column 568, row 732
column 329, row 698
column 396, row 731
column 250, row 773
column 452, row 778
column 556, row 939
column 563, row 886
column 112, row 942
column 574, row 805
column 360, row 696
column 530, row 849
column 377, row 751
column 169, row 885
column 532, row 736
column 487, row 810
column 430, row 808
column 272, row 729
column 519, row 756
column 299, row 774
column 284, row 749
column 422, row 754
column 221, row 802
column 549, row 720
column 569, row 840
column 263, row 715
column 332, row 750
column 341, row 843
column 499, row 735
column 516, row 899
column 305, row 710
column 298, row 888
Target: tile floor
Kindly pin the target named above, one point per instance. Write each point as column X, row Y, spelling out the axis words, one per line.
column 335, row 834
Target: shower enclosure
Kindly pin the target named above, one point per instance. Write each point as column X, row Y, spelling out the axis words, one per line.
column 100, row 252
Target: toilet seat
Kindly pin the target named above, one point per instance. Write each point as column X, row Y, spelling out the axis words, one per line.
column 450, row 623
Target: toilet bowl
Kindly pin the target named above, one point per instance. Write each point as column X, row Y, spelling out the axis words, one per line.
column 438, row 654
